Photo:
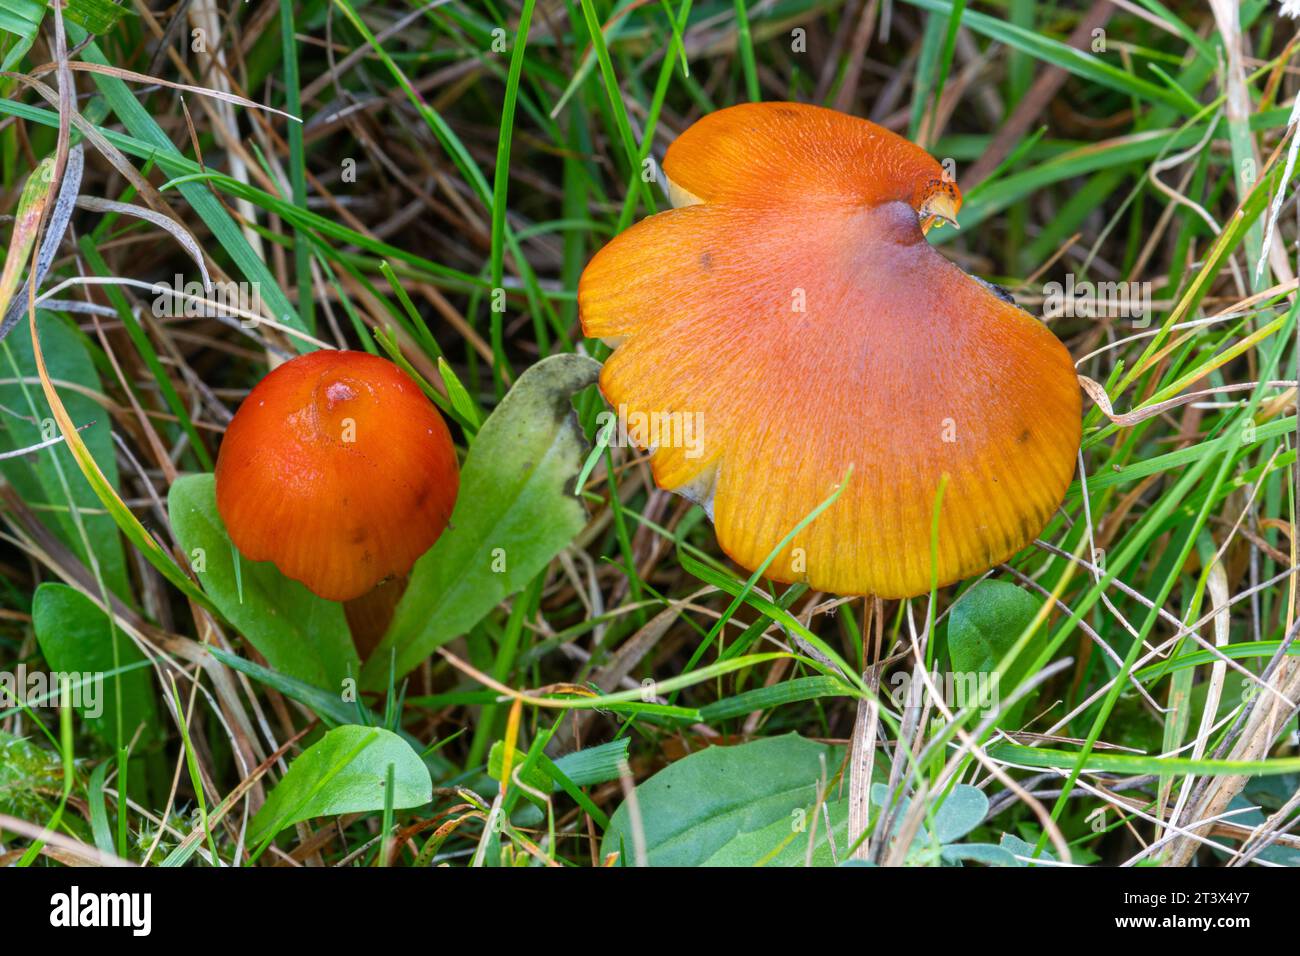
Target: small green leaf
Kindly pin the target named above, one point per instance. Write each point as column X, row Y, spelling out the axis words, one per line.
column 783, row 843
column 77, row 638
column 961, row 811
column 534, row 777
column 728, row 805
column 346, row 771
column 986, row 853
column 1019, row 848
column 459, row 395
column 300, row 634
column 513, row 515
column 1247, row 814
column 986, row 622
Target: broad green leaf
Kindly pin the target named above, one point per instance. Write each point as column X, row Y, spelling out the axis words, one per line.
column 78, row 639
column 97, row 16
column 1019, row 848
column 299, row 634
column 961, row 811
column 755, row 805
column 987, row 853
column 1245, row 813
column 695, row 808
column 346, row 771
column 785, row 842
column 514, row 513
column 985, row 623
column 18, row 24
column 774, row 845
column 50, row 480
column 534, row 776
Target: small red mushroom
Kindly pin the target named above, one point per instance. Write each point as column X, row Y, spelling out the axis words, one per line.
column 793, row 304
column 339, row 470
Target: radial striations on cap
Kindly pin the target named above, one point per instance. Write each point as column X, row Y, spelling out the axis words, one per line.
column 795, row 310
column 339, row 470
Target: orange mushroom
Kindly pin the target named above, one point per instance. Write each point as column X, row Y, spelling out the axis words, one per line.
column 792, row 303
column 339, row 470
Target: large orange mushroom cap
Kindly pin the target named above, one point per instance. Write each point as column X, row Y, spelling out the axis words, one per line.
column 792, row 304
column 339, row 470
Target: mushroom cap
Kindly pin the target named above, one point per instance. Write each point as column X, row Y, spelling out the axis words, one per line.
column 338, row 469
column 794, row 308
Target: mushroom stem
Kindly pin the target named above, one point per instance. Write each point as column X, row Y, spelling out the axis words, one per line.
column 369, row 615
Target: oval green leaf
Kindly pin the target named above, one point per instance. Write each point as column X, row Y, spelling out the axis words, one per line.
column 346, row 771
column 986, row 622
column 723, row 805
column 78, row 639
